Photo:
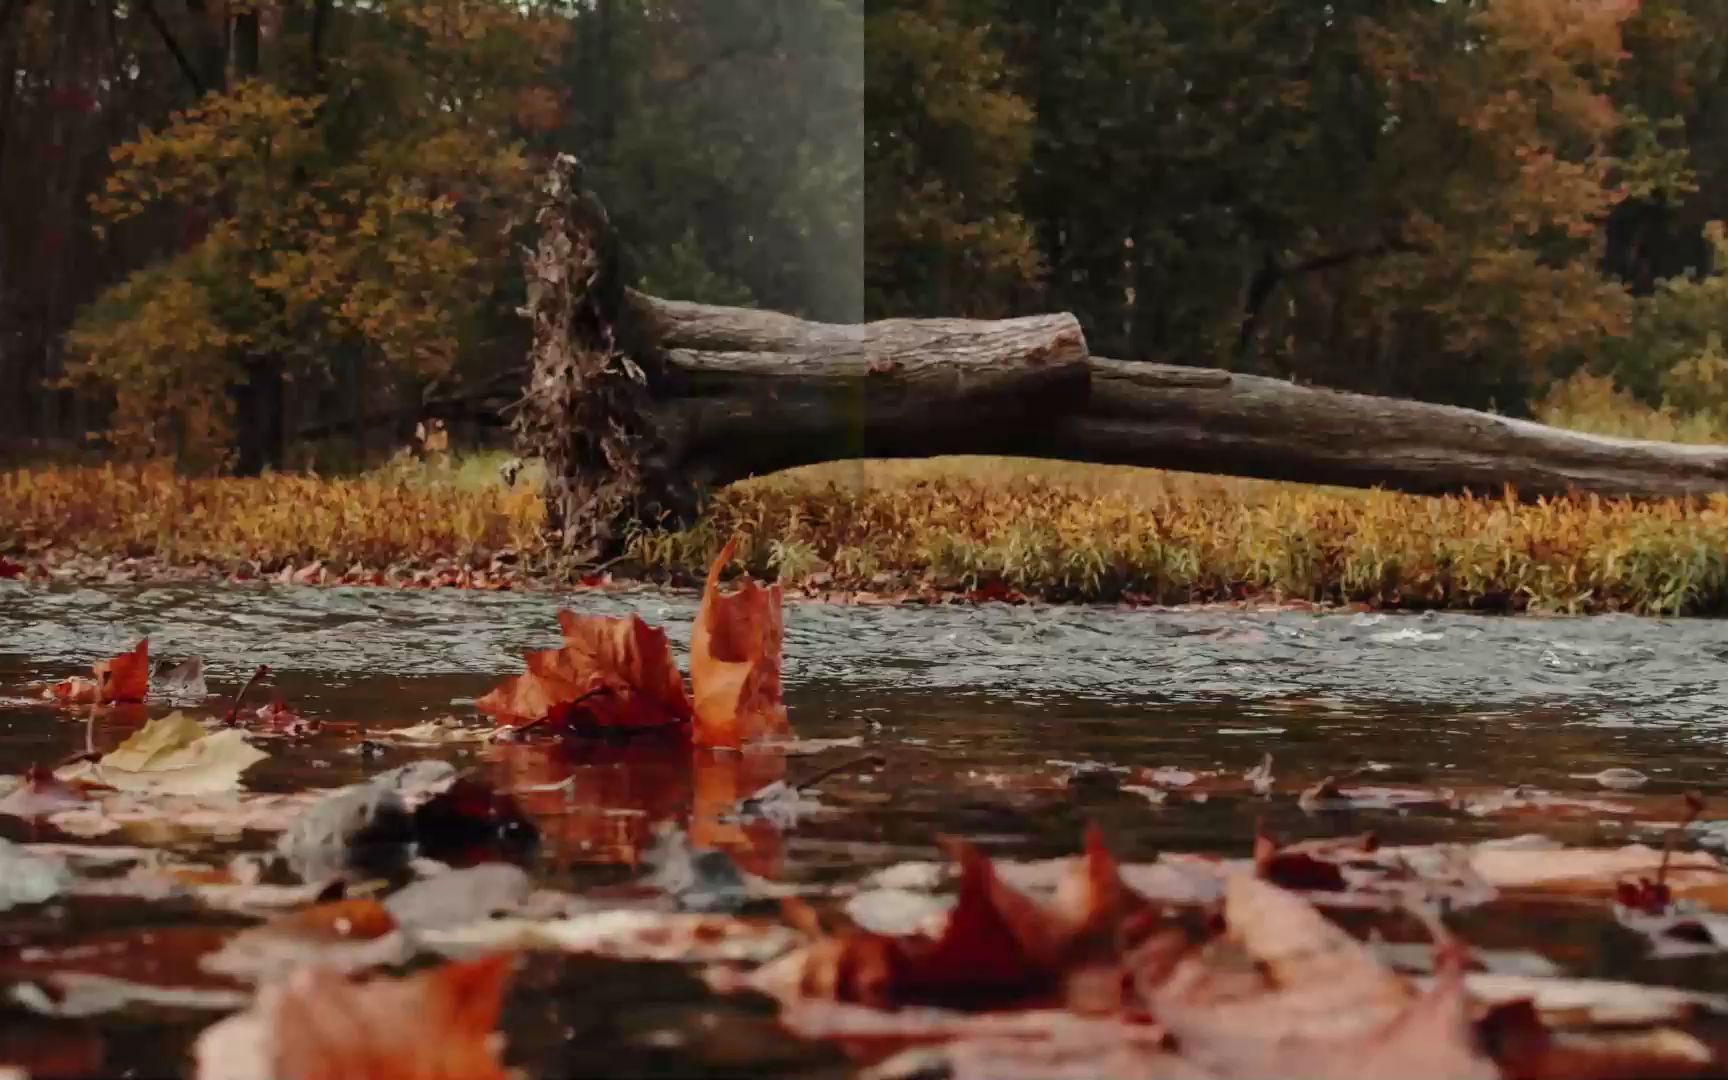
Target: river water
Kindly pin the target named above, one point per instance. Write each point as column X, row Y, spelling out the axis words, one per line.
column 1011, row 725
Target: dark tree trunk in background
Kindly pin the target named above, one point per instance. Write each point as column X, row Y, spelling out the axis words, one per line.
column 259, row 400
column 258, row 417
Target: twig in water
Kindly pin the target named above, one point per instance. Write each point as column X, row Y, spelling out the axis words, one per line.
column 1694, row 808
column 234, row 709
column 844, row 766
column 596, row 692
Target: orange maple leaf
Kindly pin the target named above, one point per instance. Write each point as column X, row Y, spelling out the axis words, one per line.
column 121, row 678
column 436, row 1025
column 735, row 661
column 998, row 945
column 610, row 673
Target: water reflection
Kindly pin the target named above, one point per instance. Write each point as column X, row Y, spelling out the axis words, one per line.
column 605, row 804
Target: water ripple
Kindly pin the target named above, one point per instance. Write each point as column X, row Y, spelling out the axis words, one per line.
column 1610, row 670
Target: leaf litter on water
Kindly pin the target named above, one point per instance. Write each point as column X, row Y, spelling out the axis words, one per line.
column 1185, row 966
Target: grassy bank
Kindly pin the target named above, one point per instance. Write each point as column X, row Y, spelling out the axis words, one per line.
column 939, row 527
column 399, row 514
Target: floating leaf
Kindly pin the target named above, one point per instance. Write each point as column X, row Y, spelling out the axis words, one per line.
column 183, row 681
column 123, row 678
column 172, row 755
column 735, row 661
column 998, row 945
column 40, row 793
column 610, row 673
column 318, row 1025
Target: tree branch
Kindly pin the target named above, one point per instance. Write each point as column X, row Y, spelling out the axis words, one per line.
column 1273, row 273
column 180, row 58
column 320, row 19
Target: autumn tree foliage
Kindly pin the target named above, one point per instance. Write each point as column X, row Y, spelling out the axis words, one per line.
column 264, row 214
column 355, row 207
column 1411, row 198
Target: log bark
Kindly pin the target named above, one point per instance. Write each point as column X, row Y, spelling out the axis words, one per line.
column 1244, row 425
column 750, row 392
column 635, row 403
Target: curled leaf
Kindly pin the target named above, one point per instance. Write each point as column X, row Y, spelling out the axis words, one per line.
column 735, row 661
column 998, row 945
column 120, row 678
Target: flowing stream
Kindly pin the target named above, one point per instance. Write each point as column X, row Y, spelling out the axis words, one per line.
column 1014, row 726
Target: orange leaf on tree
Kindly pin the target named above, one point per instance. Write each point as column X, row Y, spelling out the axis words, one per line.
column 735, row 661
column 610, row 673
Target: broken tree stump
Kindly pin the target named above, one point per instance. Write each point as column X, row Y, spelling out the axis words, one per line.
column 636, row 403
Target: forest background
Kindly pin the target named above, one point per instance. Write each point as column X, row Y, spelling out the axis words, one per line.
column 254, row 234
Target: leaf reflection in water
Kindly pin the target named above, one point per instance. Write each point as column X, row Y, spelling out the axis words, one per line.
column 601, row 803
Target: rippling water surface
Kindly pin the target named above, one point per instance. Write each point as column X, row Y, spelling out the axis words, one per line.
column 988, row 718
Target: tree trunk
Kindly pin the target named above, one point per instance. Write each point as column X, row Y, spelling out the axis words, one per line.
column 258, row 416
column 1244, row 425
column 633, row 399
column 750, row 392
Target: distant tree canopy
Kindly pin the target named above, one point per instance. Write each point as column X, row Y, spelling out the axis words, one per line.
column 226, row 223
column 1409, row 197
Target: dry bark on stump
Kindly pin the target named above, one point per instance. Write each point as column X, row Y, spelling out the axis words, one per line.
column 585, row 411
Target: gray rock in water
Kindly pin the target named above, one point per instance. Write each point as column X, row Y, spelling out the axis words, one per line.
column 458, row 897
column 363, row 830
column 26, row 878
column 698, row 879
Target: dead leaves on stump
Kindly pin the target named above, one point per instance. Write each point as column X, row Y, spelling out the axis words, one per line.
column 617, row 674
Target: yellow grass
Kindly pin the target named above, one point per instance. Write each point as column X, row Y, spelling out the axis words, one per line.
column 395, row 514
column 1085, row 532
column 1056, row 530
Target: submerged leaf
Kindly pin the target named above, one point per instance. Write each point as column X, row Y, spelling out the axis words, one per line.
column 735, row 661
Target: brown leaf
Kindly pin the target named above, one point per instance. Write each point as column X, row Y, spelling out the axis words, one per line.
column 1311, row 1000
column 735, row 661
column 610, row 673
column 1516, row 1036
column 998, row 945
column 41, row 793
column 318, row 1025
column 121, row 678
column 125, row 677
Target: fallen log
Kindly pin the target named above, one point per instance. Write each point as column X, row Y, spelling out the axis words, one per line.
column 749, row 392
column 636, row 403
column 1211, row 421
